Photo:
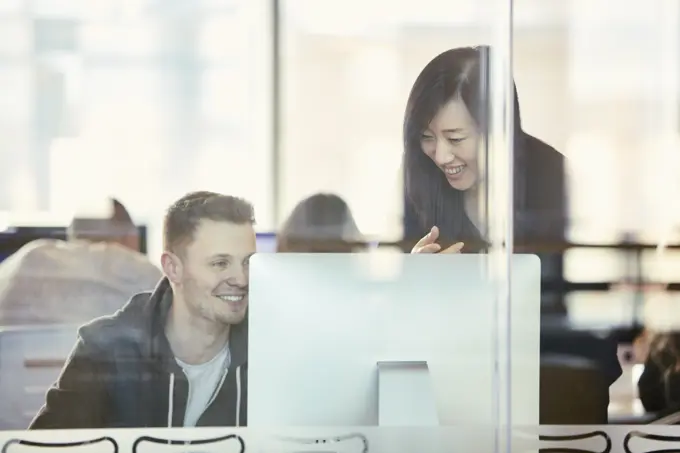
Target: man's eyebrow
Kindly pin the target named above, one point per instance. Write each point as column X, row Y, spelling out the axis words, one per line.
column 228, row 256
column 221, row 255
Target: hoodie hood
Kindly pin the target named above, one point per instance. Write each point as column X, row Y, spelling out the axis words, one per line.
column 141, row 322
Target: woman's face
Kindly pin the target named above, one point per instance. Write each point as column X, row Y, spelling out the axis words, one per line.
column 451, row 142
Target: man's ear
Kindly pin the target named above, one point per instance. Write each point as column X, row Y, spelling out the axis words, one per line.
column 172, row 267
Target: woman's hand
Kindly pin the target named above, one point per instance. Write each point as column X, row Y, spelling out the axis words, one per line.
column 428, row 245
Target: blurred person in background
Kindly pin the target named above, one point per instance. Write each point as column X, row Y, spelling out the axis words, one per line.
column 175, row 356
column 116, row 229
column 91, row 274
column 445, row 135
column 658, row 347
column 321, row 223
column 659, row 383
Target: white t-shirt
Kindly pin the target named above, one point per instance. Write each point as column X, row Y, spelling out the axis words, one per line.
column 205, row 381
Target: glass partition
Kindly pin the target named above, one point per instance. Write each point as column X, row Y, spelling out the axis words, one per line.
column 604, row 87
column 376, row 108
column 377, row 226
column 170, row 97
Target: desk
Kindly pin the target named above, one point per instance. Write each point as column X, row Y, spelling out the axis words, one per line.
column 598, row 439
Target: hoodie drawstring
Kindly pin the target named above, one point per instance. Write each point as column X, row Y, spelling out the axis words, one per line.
column 239, row 390
column 171, row 391
column 238, row 396
column 219, row 387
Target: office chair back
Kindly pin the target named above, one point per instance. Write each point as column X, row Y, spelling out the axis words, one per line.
column 573, row 392
column 31, row 359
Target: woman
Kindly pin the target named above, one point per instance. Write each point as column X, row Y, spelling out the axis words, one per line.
column 320, row 223
column 445, row 126
column 444, row 135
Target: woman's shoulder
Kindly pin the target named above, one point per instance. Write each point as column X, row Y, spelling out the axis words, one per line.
column 542, row 209
column 544, row 170
column 538, row 151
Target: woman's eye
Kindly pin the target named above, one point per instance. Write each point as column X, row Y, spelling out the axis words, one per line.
column 220, row 264
column 456, row 140
column 426, row 138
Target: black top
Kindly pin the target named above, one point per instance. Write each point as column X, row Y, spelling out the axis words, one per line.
column 540, row 222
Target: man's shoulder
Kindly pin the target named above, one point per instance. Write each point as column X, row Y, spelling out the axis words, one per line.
column 129, row 326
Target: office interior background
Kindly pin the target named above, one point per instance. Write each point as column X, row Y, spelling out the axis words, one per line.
column 275, row 100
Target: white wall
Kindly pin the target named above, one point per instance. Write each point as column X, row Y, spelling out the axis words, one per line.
column 599, row 85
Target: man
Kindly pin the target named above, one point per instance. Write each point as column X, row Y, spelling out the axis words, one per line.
column 92, row 274
column 177, row 356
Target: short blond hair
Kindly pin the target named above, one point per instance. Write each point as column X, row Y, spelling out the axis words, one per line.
column 184, row 215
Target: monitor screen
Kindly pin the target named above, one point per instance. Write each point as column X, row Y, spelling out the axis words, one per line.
column 340, row 301
column 266, row 242
column 13, row 238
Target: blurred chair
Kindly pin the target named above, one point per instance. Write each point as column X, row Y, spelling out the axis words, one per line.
column 92, row 274
column 55, row 282
column 31, row 359
column 573, row 391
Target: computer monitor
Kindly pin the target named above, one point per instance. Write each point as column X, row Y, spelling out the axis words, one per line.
column 12, row 239
column 266, row 242
column 321, row 326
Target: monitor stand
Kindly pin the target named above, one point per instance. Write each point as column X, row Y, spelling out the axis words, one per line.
column 405, row 394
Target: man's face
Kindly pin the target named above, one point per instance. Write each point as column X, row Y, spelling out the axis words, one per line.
column 214, row 276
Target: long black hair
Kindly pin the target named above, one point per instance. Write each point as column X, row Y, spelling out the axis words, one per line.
column 455, row 74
